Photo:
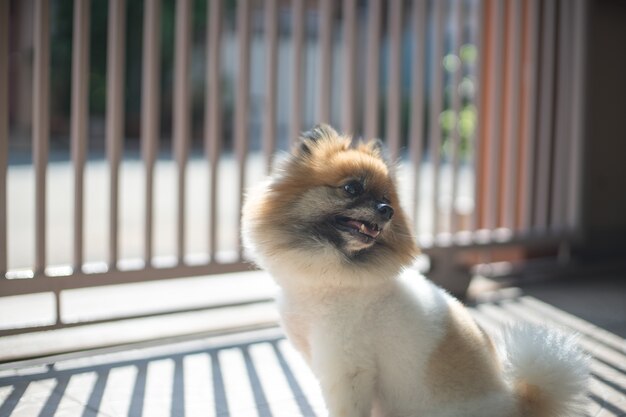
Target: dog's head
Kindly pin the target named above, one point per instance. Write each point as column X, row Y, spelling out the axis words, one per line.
column 330, row 194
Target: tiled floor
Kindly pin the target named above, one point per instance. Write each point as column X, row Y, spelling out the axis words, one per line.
column 254, row 374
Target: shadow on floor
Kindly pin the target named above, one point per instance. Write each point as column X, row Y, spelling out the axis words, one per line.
column 254, row 373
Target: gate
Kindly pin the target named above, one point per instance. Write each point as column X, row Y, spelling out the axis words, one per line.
column 479, row 102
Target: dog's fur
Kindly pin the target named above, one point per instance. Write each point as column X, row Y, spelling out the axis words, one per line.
column 382, row 344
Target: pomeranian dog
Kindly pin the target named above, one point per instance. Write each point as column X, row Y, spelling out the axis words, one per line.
column 328, row 227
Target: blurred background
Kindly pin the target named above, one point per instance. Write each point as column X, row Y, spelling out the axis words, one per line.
column 130, row 131
column 455, row 58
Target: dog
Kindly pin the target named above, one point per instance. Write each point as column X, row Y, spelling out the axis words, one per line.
column 328, row 227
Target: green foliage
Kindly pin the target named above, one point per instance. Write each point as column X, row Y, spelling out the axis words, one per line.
column 463, row 123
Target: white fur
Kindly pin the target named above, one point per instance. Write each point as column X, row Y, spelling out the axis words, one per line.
column 549, row 360
column 369, row 346
column 369, row 336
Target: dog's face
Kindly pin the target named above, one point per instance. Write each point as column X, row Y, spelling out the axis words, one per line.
column 347, row 197
column 329, row 194
column 364, row 211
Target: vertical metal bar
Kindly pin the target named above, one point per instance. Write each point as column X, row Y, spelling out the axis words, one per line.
column 80, row 106
column 115, row 115
column 41, row 122
column 297, row 35
column 562, row 147
column 372, row 69
column 529, row 113
column 349, row 64
column 181, row 114
column 394, row 78
column 325, row 40
column 271, row 71
column 480, row 100
column 493, row 183
column 577, row 96
column 150, row 98
column 212, row 117
column 546, row 112
column 436, row 106
column 513, row 87
column 4, row 130
column 417, row 103
column 242, row 100
column 455, row 137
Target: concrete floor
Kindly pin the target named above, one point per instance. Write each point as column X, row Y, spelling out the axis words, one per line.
column 598, row 300
column 258, row 373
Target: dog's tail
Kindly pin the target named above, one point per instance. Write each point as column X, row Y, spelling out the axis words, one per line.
column 547, row 371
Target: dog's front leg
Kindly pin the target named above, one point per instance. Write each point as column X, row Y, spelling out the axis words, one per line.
column 347, row 381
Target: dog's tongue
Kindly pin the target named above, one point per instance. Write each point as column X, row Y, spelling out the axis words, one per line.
column 362, row 227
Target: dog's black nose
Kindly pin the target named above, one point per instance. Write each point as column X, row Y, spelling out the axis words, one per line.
column 385, row 210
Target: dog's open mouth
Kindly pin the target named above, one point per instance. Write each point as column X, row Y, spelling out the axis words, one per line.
column 365, row 230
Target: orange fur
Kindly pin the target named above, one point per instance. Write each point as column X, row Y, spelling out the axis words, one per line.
column 464, row 363
column 325, row 165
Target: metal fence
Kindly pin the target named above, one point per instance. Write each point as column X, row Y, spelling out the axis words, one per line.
column 479, row 101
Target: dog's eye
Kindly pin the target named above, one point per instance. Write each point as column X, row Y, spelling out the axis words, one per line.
column 354, row 188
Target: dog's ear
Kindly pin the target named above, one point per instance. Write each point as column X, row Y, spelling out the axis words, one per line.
column 319, row 132
column 375, row 147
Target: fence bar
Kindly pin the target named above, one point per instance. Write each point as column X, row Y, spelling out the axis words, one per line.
column 478, row 136
column 436, row 106
column 394, row 78
column 271, row 71
column 115, row 115
column 513, row 89
column 562, row 132
column 522, row 36
column 242, row 100
column 182, row 113
column 212, row 117
column 41, row 133
column 417, row 103
column 150, row 98
column 326, row 51
column 297, row 34
column 372, row 69
column 80, row 106
column 578, row 87
column 349, row 65
column 4, row 130
column 493, row 179
column 455, row 136
column 546, row 112
column 529, row 113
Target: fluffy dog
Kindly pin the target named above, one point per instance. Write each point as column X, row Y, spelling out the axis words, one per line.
column 328, row 227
